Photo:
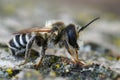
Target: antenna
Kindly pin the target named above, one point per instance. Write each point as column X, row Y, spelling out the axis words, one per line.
column 88, row 24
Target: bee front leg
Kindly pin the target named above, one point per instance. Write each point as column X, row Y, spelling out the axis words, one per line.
column 28, row 51
column 71, row 52
column 78, row 60
column 76, row 54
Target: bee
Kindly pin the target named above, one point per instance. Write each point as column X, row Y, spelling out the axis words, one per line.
column 56, row 32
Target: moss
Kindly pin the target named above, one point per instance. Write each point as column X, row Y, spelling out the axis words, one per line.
column 64, row 67
column 9, row 71
column 55, row 66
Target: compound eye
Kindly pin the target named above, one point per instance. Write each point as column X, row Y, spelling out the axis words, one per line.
column 72, row 36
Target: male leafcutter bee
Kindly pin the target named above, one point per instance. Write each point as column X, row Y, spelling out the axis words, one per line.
column 57, row 33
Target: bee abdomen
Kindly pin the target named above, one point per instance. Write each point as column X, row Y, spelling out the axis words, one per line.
column 13, row 44
column 19, row 41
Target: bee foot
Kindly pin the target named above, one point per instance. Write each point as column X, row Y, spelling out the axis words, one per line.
column 80, row 62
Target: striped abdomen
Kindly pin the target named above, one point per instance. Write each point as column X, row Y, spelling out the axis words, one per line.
column 19, row 42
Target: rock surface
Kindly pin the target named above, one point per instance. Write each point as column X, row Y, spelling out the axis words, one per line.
column 55, row 68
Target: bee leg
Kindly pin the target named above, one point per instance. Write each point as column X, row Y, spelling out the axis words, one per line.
column 28, row 50
column 69, row 50
column 42, row 54
column 75, row 59
column 76, row 54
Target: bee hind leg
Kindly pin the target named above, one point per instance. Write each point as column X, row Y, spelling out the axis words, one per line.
column 28, row 51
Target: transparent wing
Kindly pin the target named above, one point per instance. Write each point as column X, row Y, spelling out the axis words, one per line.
column 29, row 30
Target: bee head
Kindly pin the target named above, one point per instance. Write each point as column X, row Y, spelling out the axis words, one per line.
column 73, row 33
